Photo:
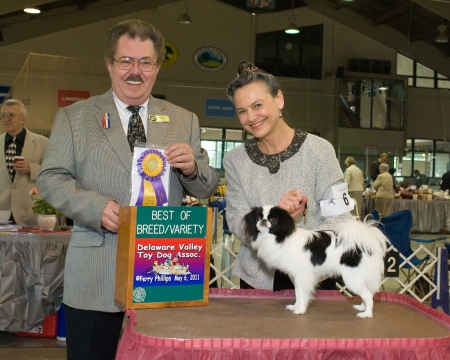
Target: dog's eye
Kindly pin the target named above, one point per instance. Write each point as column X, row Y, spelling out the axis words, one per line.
column 273, row 221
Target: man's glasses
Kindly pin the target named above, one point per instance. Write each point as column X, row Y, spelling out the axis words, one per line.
column 7, row 115
column 126, row 63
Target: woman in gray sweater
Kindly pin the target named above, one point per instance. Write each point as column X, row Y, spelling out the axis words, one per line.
column 280, row 166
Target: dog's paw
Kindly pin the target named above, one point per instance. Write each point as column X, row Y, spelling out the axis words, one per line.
column 296, row 310
column 364, row 315
column 359, row 307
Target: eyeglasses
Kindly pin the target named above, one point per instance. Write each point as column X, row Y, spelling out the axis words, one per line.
column 127, row 63
column 8, row 115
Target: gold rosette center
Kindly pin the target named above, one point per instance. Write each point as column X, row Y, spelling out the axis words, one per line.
column 152, row 165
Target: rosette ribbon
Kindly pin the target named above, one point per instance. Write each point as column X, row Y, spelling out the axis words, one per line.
column 151, row 166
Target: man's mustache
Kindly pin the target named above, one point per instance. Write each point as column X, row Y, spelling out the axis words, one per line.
column 134, row 78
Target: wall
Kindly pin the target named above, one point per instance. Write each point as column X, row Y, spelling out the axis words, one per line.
column 310, row 104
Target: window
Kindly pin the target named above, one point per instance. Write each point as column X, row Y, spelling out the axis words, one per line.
column 371, row 103
column 430, row 157
column 291, row 55
column 218, row 141
column 420, row 75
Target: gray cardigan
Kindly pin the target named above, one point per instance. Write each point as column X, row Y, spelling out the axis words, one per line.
column 313, row 169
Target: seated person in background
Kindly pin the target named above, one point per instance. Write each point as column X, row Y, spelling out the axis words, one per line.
column 355, row 181
column 279, row 166
column 385, row 191
column 445, row 182
column 420, row 179
column 18, row 178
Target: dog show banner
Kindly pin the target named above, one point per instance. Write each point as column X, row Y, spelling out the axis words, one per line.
column 163, row 256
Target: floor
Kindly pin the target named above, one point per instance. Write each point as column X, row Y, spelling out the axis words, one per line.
column 14, row 347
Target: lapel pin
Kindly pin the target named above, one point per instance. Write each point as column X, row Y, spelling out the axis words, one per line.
column 106, row 124
column 158, row 118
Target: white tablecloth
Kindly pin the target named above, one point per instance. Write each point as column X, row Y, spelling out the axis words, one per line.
column 428, row 216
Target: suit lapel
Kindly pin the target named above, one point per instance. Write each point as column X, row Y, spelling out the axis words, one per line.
column 29, row 145
column 115, row 134
column 156, row 132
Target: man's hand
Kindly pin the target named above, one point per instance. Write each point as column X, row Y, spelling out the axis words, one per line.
column 110, row 216
column 294, row 202
column 181, row 156
column 22, row 167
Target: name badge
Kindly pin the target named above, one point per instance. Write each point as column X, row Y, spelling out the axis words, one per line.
column 338, row 203
column 159, row 118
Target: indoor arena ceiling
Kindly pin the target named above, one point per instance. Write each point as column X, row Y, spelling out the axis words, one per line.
column 414, row 20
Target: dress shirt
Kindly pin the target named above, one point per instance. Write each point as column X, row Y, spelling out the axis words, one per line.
column 126, row 114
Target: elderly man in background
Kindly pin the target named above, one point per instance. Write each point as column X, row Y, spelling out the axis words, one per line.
column 355, row 182
column 17, row 178
column 384, row 185
column 374, row 168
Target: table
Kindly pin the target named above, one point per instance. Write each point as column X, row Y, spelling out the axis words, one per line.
column 31, row 277
column 428, row 216
column 253, row 324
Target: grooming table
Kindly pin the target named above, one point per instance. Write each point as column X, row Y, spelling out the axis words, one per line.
column 253, row 324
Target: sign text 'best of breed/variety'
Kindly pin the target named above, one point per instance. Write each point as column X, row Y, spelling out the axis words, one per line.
column 163, row 256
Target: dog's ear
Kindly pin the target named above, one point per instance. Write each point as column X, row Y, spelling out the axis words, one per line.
column 250, row 220
column 282, row 224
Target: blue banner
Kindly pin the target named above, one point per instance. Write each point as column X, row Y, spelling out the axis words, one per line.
column 219, row 108
column 5, row 93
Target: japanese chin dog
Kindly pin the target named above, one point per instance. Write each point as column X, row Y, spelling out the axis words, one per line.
column 353, row 250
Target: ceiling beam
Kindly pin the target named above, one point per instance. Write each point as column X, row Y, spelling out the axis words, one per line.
column 419, row 50
column 20, row 28
column 393, row 14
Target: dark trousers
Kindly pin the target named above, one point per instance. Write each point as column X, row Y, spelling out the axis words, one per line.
column 92, row 335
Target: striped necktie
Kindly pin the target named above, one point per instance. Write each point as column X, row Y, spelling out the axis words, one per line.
column 136, row 130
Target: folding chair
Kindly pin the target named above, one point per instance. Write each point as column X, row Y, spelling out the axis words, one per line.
column 397, row 227
column 355, row 210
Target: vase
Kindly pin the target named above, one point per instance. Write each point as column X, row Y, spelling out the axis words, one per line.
column 47, row 222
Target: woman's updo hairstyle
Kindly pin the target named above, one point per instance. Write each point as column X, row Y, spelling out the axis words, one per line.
column 249, row 73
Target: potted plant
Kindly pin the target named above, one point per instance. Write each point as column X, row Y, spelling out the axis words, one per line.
column 47, row 214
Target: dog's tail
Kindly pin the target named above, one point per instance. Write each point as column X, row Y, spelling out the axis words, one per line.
column 365, row 235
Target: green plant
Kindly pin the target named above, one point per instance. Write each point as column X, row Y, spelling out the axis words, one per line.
column 41, row 206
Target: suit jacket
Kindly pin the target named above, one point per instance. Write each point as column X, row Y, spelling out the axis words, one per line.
column 384, row 186
column 86, row 166
column 15, row 196
column 374, row 169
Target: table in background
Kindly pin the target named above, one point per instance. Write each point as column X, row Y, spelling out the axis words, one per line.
column 31, row 277
column 428, row 216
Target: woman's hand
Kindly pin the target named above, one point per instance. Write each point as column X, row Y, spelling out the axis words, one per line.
column 293, row 202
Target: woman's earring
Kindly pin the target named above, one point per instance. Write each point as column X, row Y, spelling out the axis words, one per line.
column 281, row 115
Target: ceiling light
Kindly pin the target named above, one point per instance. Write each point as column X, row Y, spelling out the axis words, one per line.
column 441, row 37
column 184, row 18
column 292, row 28
column 32, row 11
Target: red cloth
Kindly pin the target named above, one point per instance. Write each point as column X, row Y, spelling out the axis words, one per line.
column 135, row 346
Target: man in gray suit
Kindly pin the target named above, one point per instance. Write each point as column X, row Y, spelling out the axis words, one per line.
column 86, row 174
column 19, row 177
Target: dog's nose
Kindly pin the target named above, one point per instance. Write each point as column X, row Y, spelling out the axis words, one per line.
column 263, row 222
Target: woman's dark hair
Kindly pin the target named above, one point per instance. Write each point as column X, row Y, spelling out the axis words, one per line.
column 249, row 73
column 133, row 28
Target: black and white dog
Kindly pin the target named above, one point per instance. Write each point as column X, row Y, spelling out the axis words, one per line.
column 353, row 250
